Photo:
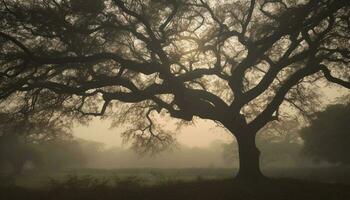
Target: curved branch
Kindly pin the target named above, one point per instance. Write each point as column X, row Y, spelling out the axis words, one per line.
column 327, row 74
column 267, row 114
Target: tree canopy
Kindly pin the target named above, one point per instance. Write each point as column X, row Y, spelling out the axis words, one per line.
column 234, row 62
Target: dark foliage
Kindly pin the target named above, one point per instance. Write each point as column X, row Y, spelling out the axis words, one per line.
column 328, row 136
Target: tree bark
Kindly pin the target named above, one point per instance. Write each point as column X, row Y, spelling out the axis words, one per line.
column 249, row 158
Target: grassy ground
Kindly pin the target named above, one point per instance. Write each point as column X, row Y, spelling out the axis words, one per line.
column 179, row 184
column 281, row 189
column 37, row 179
column 146, row 176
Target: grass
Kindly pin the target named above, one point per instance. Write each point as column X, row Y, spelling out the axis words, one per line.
column 35, row 179
column 179, row 184
column 88, row 188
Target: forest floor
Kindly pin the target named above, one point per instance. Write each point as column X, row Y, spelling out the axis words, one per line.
column 183, row 184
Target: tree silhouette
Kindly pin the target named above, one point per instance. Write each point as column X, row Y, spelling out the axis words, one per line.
column 23, row 133
column 327, row 137
column 16, row 153
column 234, row 62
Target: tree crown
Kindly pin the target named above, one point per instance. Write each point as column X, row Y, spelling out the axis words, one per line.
column 234, row 62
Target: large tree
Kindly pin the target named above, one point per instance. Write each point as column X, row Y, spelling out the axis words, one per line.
column 234, row 62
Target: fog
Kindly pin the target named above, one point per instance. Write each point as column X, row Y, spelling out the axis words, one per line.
column 201, row 134
column 198, row 145
column 203, row 144
column 179, row 157
column 217, row 154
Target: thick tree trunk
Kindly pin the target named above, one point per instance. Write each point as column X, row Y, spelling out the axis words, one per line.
column 249, row 157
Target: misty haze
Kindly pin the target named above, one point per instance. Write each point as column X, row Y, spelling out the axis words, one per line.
column 175, row 99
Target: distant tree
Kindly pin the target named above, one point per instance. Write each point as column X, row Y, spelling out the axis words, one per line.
column 281, row 153
column 238, row 63
column 327, row 138
column 60, row 154
column 51, row 155
column 23, row 134
column 16, row 153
